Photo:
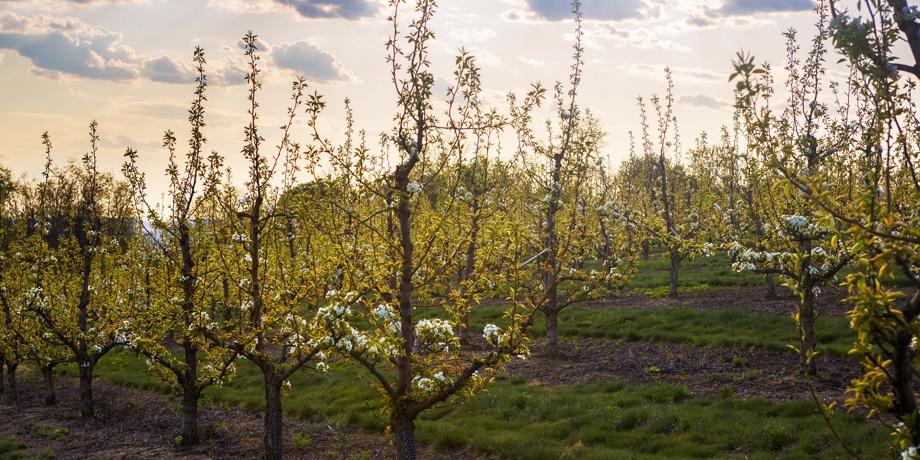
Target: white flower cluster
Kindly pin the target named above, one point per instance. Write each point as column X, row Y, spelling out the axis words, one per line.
column 430, row 385
column 798, row 226
column 435, row 333
column 493, row 334
column 34, row 298
column 424, row 384
column 910, row 454
column 748, row 260
column 387, row 316
column 414, row 187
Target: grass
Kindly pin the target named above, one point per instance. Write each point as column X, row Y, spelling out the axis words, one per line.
column 611, row 420
column 593, row 421
column 733, row 328
column 714, row 271
column 11, row 449
column 601, row 420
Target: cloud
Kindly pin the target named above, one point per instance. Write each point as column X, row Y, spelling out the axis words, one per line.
column 530, row 61
column 702, row 100
column 606, row 10
column 471, row 35
column 1, row 58
column 93, row 54
column 639, row 38
column 64, row 5
column 311, row 61
column 345, row 9
column 679, row 73
column 61, row 47
column 168, row 70
column 748, row 7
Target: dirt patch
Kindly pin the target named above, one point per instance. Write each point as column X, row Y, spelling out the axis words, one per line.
column 830, row 301
column 707, row 371
column 142, row 425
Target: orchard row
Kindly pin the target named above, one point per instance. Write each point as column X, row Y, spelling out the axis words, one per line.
column 325, row 250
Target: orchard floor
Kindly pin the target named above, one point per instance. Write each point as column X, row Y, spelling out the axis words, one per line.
column 137, row 424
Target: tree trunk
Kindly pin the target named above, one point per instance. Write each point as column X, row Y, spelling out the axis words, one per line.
column 86, row 390
column 902, row 377
column 552, row 332
column 12, row 396
column 272, row 438
column 770, row 292
column 675, row 269
column 2, row 383
column 465, row 328
column 807, row 332
column 403, row 436
column 646, row 248
column 48, row 374
column 190, row 395
column 190, row 435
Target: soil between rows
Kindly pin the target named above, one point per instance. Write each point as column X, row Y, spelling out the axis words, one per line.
column 138, row 424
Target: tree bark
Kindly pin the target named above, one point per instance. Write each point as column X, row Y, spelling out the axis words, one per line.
column 272, row 438
column 675, row 269
column 2, row 383
column 86, row 390
column 902, row 385
column 190, row 435
column 190, row 395
column 403, row 428
column 552, row 332
column 12, row 396
column 807, row 331
column 646, row 249
column 770, row 290
column 48, row 374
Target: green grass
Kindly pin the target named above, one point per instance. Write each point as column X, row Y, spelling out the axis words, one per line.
column 734, row 327
column 610, row 420
column 599, row 420
column 715, row 271
column 11, row 449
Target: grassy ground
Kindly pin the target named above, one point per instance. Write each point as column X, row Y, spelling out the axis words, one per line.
column 594, row 421
column 601, row 420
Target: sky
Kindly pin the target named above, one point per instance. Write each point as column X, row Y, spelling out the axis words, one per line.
column 127, row 65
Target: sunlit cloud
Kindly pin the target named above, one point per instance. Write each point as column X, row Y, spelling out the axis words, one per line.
column 640, row 38
column 309, row 9
column 314, row 63
column 345, row 9
column 747, row 7
column 529, row 61
column 682, row 73
column 471, row 35
column 606, row 10
column 703, row 100
column 63, row 47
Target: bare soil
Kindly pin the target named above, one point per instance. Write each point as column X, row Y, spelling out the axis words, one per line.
column 138, row 424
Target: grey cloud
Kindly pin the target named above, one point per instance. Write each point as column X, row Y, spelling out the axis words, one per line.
column 746, row 7
column 309, row 60
column 67, row 46
column 94, row 57
column 346, row 9
column 700, row 21
column 168, row 70
column 612, row 10
column 702, row 100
